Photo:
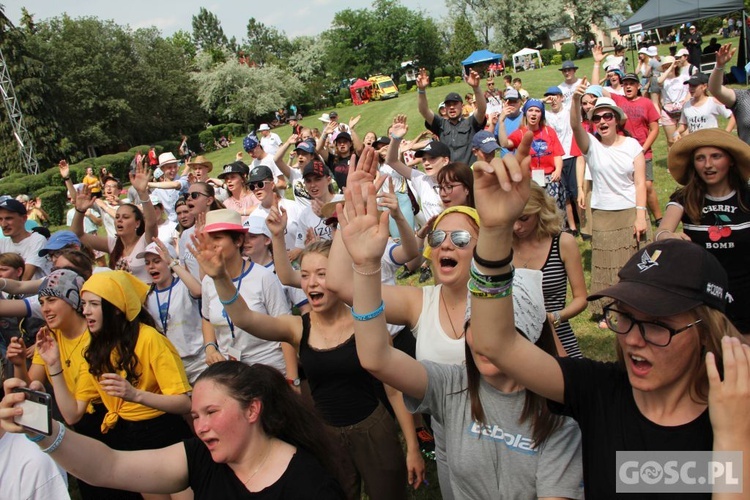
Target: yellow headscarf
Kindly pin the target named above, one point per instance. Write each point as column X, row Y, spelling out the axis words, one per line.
column 119, row 288
column 461, row 209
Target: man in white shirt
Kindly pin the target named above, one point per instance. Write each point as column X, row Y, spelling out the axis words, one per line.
column 570, row 82
column 269, row 141
column 260, row 157
column 19, row 240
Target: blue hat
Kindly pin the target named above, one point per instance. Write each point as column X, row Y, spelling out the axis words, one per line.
column 485, row 142
column 568, row 65
column 533, row 103
column 553, row 91
column 306, row 147
column 59, row 240
column 595, row 90
column 249, row 143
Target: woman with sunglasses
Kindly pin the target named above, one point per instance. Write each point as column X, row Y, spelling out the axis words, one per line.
column 135, row 227
column 200, row 199
column 672, row 340
column 583, row 174
column 674, row 95
column 471, row 400
column 618, row 199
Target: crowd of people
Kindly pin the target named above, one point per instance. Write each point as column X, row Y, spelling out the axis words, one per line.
column 239, row 342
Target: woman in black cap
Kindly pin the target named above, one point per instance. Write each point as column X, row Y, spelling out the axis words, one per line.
column 713, row 205
column 241, row 199
column 668, row 313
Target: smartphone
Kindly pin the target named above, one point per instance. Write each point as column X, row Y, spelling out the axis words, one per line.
column 37, row 412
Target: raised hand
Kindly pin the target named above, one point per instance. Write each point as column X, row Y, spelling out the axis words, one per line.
column 330, row 128
column 200, row 222
column 116, row 386
column 725, row 54
column 472, row 79
column 598, row 53
column 292, row 139
column 364, row 170
column 64, row 169
column 729, row 399
column 354, row 121
column 580, row 89
column 16, row 352
column 502, row 187
column 423, row 79
column 208, row 256
column 140, row 179
column 276, row 221
column 363, row 229
column 47, row 348
column 399, row 128
column 84, row 200
column 163, row 251
column 388, row 200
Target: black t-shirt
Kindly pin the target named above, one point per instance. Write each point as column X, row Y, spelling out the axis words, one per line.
column 342, row 390
column 600, row 398
column 340, row 168
column 304, row 478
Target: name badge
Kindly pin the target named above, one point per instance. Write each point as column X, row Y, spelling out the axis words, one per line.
column 234, row 354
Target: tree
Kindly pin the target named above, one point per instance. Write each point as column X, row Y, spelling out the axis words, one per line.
column 265, row 44
column 184, row 42
column 580, row 16
column 511, row 20
column 463, row 42
column 208, row 35
column 478, row 13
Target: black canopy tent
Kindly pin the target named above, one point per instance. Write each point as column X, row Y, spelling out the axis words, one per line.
column 660, row 13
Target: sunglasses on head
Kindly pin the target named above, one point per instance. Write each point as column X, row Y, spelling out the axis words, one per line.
column 252, row 186
column 460, row 238
column 195, row 194
column 607, row 117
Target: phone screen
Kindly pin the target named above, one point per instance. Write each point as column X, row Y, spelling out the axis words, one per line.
column 37, row 414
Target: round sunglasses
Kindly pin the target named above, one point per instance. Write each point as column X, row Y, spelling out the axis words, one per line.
column 252, row 186
column 460, row 238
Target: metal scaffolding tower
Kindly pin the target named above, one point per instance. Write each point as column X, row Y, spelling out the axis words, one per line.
column 13, row 110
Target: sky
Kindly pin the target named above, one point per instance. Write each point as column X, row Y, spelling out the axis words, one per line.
column 294, row 17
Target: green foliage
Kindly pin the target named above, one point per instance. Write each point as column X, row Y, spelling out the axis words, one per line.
column 464, row 40
column 208, row 34
column 568, row 51
column 118, row 164
column 547, row 55
column 347, row 102
column 206, row 137
column 265, row 44
column 458, row 79
column 54, row 201
column 580, row 16
column 168, row 146
column 512, row 21
column 437, row 73
column 557, row 59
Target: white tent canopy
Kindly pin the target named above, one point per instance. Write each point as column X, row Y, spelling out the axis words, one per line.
column 527, row 59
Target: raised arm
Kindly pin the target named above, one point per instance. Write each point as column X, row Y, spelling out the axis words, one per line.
column 580, row 134
column 409, row 248
column 192, row 284
column 65, row 174
column 139, row 180
column 473, row 80
column 276, row 222
column 321, row 146
column 716, row 86
column 423, row 81
column 501, row 189
column 365, row 233
column 598, row 53
column 393, row 158
column 356, row 141
column 83, row 202
column 285, row 328
column 502, row 133
column 278, row 157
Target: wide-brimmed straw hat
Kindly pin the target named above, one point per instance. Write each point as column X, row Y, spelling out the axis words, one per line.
column 680, row 157
column 223, row 220
column 201, row 161
column 608, row 102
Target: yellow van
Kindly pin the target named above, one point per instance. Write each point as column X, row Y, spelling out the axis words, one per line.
column 382, row 87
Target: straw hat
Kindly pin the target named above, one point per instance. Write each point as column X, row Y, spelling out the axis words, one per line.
column 681, row 154
column 223, row 220
column 167, row 159
column 201, row 161
column 666, row 62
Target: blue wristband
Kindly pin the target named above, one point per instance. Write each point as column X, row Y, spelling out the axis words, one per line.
column 372, row 315
column 232, row 300
column 35, row 439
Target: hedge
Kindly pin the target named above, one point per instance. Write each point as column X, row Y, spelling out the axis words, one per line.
column 54, row 202
column 547, row 55
column 568, row 51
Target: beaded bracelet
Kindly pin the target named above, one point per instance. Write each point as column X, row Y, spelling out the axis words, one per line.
column 58, row 439
column 368, row 273
column 35, row 439
column 232, row 300
column 493, row 264
column 372, row 315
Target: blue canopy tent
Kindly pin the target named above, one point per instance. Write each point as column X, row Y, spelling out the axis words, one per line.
column 481, row 56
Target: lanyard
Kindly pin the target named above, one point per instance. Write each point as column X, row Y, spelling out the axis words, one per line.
column 164, row 315
column 239, row 287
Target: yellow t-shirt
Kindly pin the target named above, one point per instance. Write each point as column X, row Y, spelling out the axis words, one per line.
column 71, row 357
column 93, row 183
column 161, row 372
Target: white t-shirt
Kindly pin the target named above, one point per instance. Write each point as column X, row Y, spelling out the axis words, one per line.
column 28, row 248
column 168, row 197
column 301, row 196
column 263, row 293
column 108, row 221
column 296, row 296
column 426, row 194
column 270, row 163
column 293, row 212
column 27, row 473
column 568, row 91
column 131, row 263
column 560, row 121
column 612, row 173
column 186, row 258
column 704, row 116
column 167, row 231
column 674, row 91
column 309, row 220
column 181, row 313
column 270, row 143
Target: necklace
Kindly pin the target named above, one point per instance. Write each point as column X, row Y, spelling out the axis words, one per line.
column 445, row 306
column 262, row 463
column 80, row 338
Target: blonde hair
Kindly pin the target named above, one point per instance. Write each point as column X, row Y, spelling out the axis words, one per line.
column 543, row 205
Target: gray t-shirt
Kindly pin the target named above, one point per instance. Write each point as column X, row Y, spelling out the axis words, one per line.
column 498, row 460
column 741, row 110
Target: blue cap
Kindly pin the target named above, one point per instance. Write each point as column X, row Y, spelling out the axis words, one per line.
column 485, row 142
column 553, row 91
column 59, row 240
column 249, row 143
column 306, row 147
column 595, row 90
column 533, row 103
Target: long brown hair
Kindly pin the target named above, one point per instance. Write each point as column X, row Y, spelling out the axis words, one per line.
column 543, row 421
column 116, row 254
column 692, row 196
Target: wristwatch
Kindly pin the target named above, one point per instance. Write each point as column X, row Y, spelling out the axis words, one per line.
column 556, row 319
column 294, row 382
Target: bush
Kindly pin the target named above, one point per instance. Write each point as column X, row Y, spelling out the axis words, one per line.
column 339, row 104
column 344, row 93
column 458, row 79
column 207, row 139
column 12, row 188
column 168, row 146
column 434, row 84
column 568, row 51
column 547, row 55
column 437, row 73
column 347, row 102
column 118, row 164
column 557, row 59
column 54, row 199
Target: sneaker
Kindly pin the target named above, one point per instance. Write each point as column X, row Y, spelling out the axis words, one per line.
column 425, row 274
column 426, row 443
column 405, row 273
